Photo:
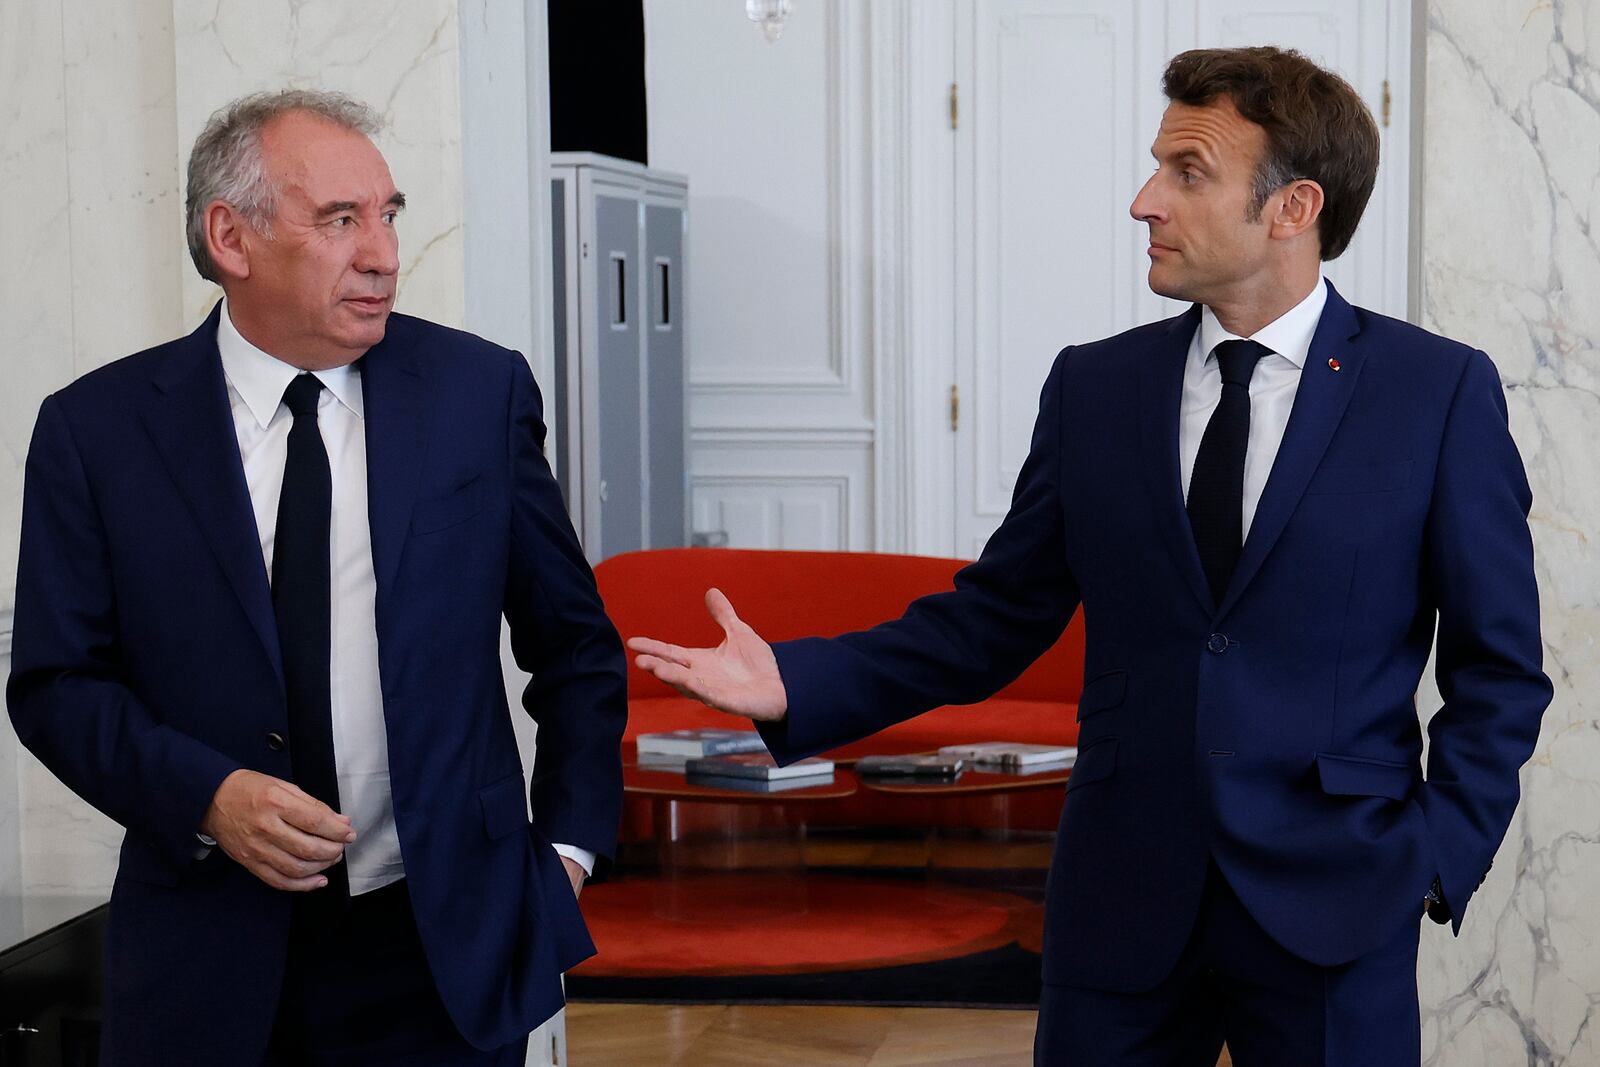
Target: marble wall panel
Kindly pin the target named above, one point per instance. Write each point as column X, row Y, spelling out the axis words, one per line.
column 1511, row 184
column 400, row 56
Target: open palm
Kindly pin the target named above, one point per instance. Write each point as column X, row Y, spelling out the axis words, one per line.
column 739, row 676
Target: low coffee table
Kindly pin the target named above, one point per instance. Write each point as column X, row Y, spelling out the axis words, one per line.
column 987, row 795
column 702, row 831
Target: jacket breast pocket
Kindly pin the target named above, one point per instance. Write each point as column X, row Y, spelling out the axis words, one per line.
column 1102, row 693
column 441, row 513
column 1359, row 776
column 1362, row 478
column 505, row 806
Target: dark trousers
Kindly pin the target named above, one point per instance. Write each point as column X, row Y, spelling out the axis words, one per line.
column 357, row 992
column 1234, row 983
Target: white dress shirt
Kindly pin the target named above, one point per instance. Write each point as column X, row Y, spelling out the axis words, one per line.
column 256, row 382
column 1272, row 389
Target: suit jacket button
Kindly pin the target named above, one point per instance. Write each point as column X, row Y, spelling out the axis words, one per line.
column 1217, row 643
column 275, row 742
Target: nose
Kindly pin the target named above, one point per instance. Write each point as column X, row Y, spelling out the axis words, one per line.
column 378, row 251
column 1146, row 206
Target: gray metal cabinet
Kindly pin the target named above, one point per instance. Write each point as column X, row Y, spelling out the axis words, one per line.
column 619, row 400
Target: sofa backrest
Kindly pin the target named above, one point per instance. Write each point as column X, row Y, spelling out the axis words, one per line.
column 660, row 593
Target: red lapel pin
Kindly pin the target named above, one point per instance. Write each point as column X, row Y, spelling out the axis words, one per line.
column 1333, row 364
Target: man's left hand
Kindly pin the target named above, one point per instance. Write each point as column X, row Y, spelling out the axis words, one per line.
column 574, row 874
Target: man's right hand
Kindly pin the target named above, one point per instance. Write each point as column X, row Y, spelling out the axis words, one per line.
column 276, row 831
column 739, row 676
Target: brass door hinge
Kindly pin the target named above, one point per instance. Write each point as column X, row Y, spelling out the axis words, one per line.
column 955, row 108
column 1388, row 102
column 955, row 408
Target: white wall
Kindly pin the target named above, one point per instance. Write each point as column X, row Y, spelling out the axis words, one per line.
column 775, row 141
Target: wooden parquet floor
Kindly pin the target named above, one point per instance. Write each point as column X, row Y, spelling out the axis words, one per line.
column 716, row 1035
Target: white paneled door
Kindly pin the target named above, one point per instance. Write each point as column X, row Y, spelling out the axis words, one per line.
column 1057, row 103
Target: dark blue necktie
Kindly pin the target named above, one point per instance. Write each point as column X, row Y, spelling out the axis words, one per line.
column 301, row 600
column 1216, row 486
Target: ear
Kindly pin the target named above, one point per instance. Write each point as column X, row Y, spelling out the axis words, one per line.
column 1299, row 207
column 228, row 237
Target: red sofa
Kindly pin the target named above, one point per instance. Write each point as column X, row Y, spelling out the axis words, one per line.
column 661, row 593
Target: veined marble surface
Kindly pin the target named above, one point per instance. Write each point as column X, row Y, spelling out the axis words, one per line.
column 399, row 56
column 1511, row 264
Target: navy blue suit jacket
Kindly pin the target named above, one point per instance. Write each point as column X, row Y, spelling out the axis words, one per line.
column 146, row 669
column 1275, row 732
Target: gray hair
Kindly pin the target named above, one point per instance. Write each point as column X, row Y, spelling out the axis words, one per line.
column 226, row 164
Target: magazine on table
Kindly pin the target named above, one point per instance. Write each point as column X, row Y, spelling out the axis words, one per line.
column 704, row 741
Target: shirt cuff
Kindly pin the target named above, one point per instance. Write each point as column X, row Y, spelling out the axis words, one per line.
column 203, row 849
column 581, row 856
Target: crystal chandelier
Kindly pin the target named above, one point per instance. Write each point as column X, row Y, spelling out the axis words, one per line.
column 770, row 13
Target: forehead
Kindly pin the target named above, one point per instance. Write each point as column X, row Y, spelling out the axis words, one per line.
column 1215, row 130
column 309, row 153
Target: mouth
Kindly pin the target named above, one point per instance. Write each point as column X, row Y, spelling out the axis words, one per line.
column 1158, row 249
column 369, row 304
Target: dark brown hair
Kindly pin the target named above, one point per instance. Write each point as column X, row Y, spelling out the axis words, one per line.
column 1316, row 124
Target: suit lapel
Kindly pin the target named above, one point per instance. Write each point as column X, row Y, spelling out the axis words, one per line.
column 193, row 430
column 1319, row 404
column 398, row 418
column 1161, row 393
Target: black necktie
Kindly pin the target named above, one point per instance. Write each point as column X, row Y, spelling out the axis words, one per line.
column 300, row 599
column 1216, row 486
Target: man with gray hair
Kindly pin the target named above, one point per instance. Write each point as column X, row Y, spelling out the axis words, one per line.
column 262, row 574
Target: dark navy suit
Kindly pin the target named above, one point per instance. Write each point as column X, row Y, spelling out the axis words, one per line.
column 1271, row 738
column 146, row 669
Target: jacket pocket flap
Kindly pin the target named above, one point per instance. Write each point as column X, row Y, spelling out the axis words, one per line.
column 1363, row 478
column 1095, row 763
column 445, row 511
column 1102, row 692
column 1358, row 777
column 505, row 806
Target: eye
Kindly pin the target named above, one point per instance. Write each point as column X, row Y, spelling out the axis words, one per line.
column 1188, row 177
column 390, row 216
column 343, row 221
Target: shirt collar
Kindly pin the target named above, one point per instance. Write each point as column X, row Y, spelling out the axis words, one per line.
column 260, row 378
column 1289, row 335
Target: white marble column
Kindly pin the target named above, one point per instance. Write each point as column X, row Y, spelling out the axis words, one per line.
column 1510, row 260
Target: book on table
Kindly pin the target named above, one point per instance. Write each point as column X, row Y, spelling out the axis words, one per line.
column 756, row 765
column 705, row 741
column 1014, row 757
column 916, row 766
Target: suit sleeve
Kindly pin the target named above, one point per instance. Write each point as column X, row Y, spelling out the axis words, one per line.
column 561, row 636
column 66, row 693
column 958, row 647
column 1479, row 557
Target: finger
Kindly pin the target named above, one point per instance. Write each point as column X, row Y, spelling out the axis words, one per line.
column 660, row 649
column 721, row 611
column 289, row 867
column 289, row 885
column 310, row 815
column 674, row 674
column 303, row 846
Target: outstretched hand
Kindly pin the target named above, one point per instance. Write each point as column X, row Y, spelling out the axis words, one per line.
column 739, row 676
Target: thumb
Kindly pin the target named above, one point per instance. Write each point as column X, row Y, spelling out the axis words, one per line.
column 722, row 612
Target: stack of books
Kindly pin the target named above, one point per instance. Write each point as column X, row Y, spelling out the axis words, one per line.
column 757, row 772
column 670, row 750
column 1011, row 757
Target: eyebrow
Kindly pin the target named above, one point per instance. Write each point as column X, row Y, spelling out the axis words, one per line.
column 334, row 207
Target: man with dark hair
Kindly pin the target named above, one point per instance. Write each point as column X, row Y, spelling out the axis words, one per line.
column 1267, row 507
column 258, row 623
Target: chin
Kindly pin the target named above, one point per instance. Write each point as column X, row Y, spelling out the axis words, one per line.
column 1162, row 284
